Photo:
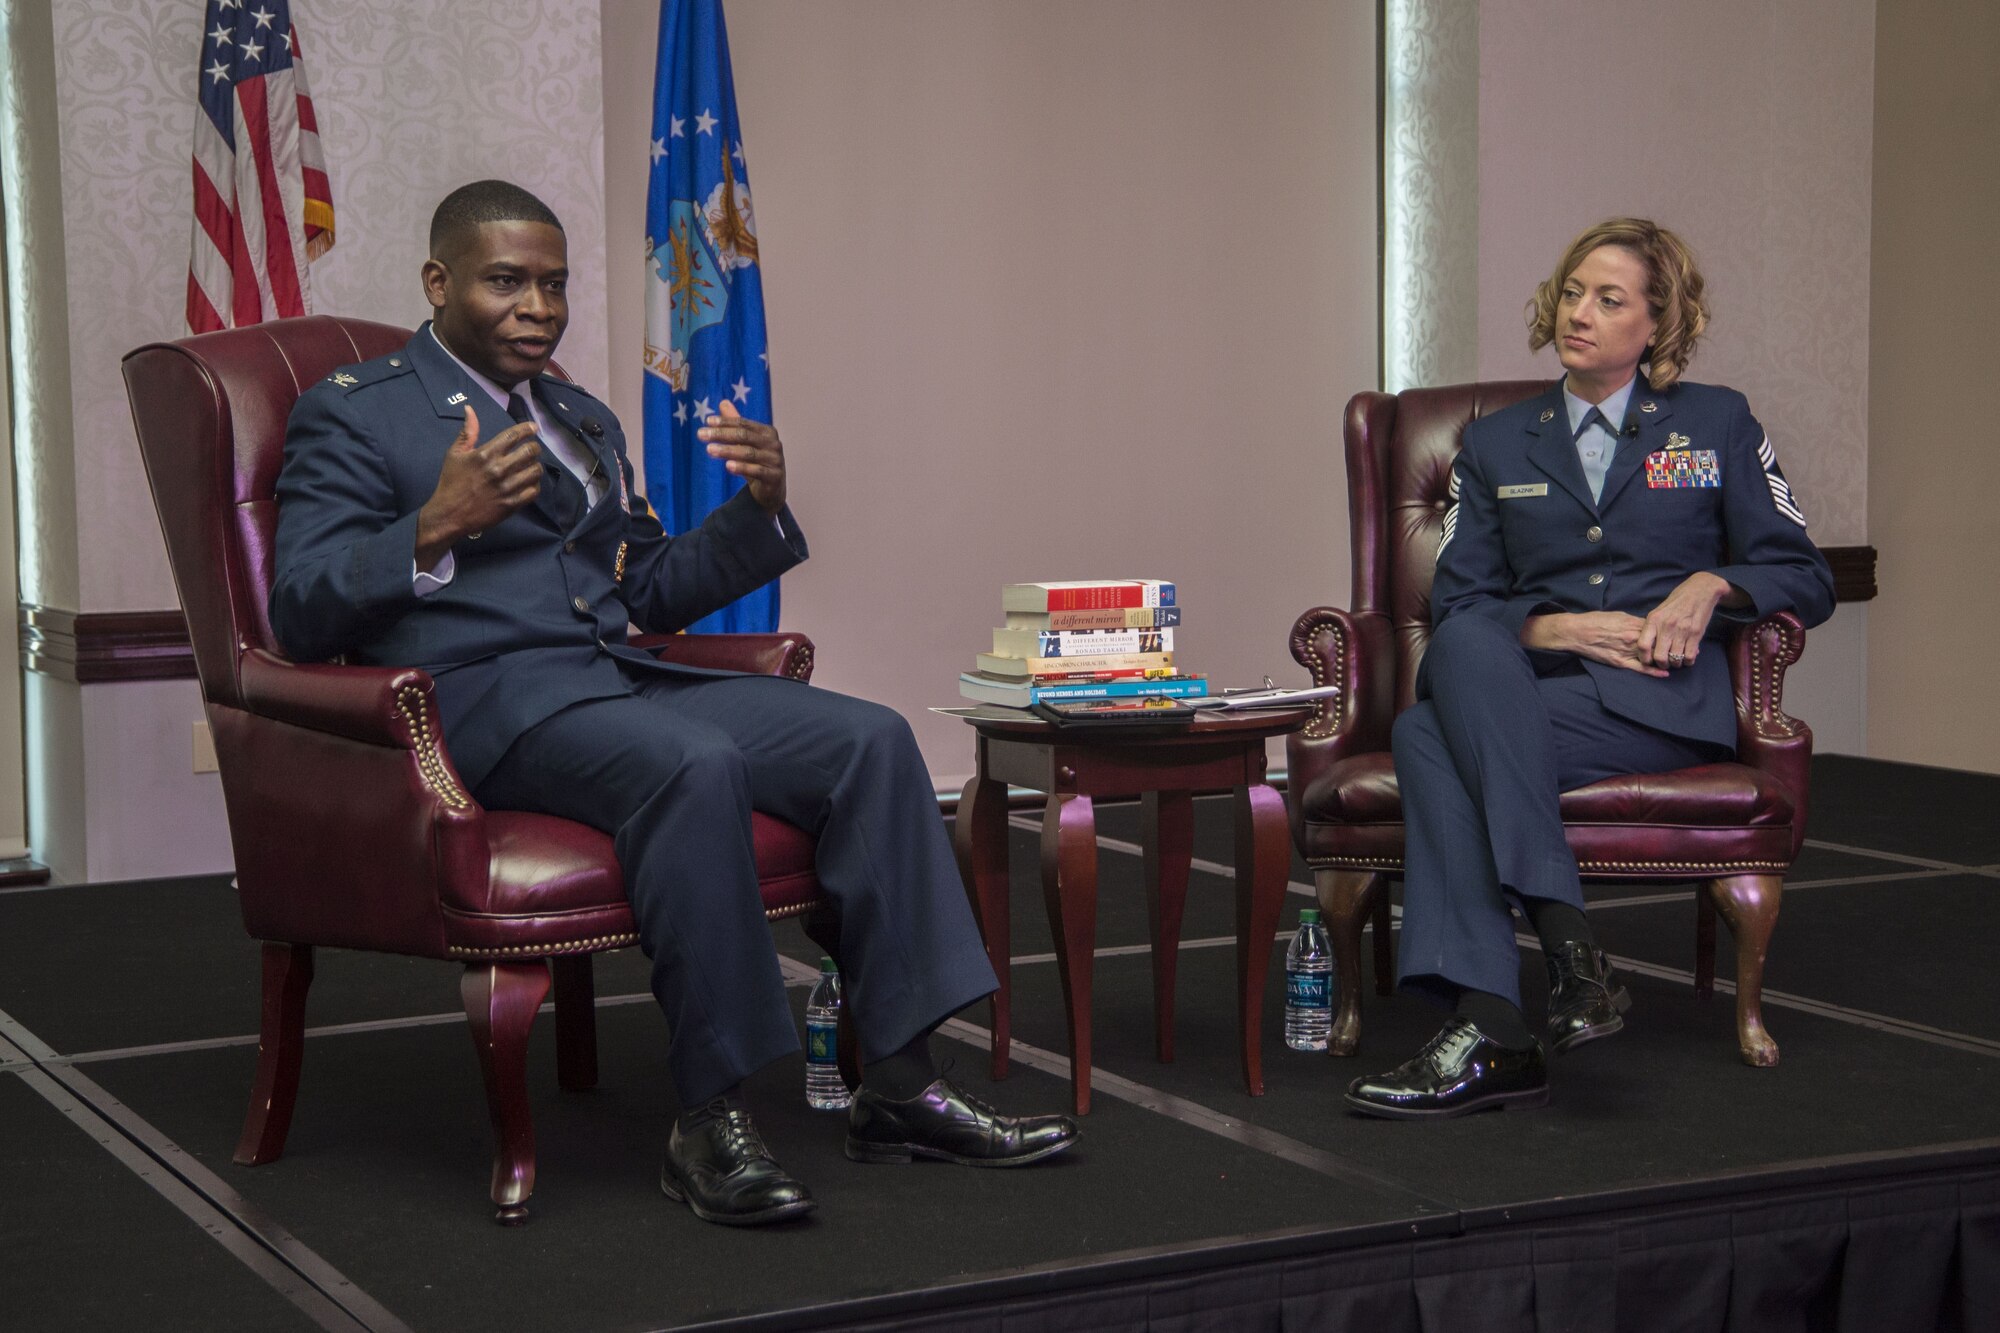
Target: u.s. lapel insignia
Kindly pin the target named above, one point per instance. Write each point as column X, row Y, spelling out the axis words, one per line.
column 1548, row 413
column 345, row 380
column 454, row 400
column 1676, row 440
column 1649, row 406
column 618, row 568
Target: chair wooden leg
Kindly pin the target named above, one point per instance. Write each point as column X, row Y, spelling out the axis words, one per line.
column 1749, row 903
column 1704, row 945
column 500, row 1003
column 1385, row 944
column 576, row 1022
column 1346, row 897
column 281, row 1048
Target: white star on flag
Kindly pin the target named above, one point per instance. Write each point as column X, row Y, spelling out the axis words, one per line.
column 263, row 17
column 680, row 412
column 701, row 407
column 230, row 4
column 737, row 153
column 674, row 124
column 290, row 48
column 220, row 36
column 705, row 122
column 742, row 391
column 252, row 50
column 218, row 71
column 659, row 149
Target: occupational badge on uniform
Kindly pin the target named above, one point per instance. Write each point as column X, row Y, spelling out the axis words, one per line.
column 1649, row 406
column 1781, row 490
column 1675, row 469
column 343, row 379
column 1676, row 440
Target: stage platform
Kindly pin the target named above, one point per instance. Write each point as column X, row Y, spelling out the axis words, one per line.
column 1855, row 1186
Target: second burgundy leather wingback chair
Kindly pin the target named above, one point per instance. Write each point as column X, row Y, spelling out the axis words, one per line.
column 350, row 826
column 1735, row 826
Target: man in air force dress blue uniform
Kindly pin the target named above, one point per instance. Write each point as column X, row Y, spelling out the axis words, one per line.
column 414, row 531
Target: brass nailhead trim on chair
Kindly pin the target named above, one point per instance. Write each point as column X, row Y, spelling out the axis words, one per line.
column 591, row 945
column 801, row 667
column 1328, row 717
column 1767, row 686
column 1695, row 867
column 430, row 763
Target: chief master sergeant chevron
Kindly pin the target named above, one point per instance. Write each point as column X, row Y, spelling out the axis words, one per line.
column 508, row 563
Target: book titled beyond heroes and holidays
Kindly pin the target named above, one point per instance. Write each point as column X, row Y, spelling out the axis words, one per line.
column 1085, row 639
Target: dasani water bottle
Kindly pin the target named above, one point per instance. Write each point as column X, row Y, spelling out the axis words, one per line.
column 826, row 1090
column 1308, row 985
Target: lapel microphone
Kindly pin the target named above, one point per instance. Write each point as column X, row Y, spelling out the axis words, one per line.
column 595, row 428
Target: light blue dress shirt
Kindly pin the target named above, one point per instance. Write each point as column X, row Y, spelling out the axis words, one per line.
column 1595, row 446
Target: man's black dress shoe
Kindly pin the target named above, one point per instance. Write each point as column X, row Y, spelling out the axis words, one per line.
column 720, row 1168
column 1585, row 999
column 950, row 1125
column 1461, row 1069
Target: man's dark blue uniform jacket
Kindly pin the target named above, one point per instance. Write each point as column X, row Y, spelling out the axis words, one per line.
column 535, row 617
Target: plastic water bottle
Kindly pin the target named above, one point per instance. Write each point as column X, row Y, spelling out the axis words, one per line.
column 826, row 1090
column 1308, row 985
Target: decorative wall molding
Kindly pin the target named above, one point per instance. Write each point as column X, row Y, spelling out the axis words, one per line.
column 1853, row 572
column 89, row 647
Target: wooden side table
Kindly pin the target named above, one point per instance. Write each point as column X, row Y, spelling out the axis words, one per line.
column 1076, row 766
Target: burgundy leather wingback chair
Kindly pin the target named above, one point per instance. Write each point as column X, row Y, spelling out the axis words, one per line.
column 349, row 824
column 1735, row 826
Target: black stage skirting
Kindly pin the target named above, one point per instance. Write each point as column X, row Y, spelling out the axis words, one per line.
column 1855, row 1186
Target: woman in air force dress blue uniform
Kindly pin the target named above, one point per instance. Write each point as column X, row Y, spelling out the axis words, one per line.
column 1603, row 540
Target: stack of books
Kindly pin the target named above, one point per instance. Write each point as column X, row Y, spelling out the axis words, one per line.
column 1095, row 639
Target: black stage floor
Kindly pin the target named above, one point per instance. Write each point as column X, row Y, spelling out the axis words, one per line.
column 1855, row 1185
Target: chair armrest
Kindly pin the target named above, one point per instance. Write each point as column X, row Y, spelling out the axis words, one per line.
column 1356, row 652
column 780, row 654
column 378, row 705
column 1766, row 737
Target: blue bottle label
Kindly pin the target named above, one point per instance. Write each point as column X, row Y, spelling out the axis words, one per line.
column 1307, row 990
column 822, row 1043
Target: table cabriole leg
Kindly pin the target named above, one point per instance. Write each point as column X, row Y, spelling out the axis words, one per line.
column 1263, row 864
column 979, row 837
column 1069, row 889
column 1167, row 836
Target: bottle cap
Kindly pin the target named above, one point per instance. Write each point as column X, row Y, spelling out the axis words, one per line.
column 826, row 965
column 1310, row 914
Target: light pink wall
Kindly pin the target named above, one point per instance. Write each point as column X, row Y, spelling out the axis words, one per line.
column 1746, row 128
column 1056, row 289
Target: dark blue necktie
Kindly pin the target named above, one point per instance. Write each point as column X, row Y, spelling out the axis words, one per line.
column 1594, row 456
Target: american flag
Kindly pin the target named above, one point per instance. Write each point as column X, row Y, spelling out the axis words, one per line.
column 263, row 207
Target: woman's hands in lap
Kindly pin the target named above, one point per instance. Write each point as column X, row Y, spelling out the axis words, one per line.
column 1668, row 638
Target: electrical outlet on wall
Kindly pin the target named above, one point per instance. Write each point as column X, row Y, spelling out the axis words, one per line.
column 204, row 749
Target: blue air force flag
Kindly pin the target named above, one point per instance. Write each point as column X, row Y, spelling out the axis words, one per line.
column 705, row 340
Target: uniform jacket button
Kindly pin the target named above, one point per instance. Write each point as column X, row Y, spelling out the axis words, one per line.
column 1596, row 534
column 1595, row 579
column 582, row 605
column 569, row 548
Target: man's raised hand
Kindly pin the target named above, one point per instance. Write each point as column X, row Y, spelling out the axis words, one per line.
column 751, row 450
column 479, row 485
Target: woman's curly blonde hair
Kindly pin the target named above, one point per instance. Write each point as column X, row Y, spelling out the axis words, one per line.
column 1673, row 293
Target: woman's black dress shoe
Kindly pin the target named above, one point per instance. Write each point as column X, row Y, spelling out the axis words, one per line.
column 1461, row 1069
column 1585, row 999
